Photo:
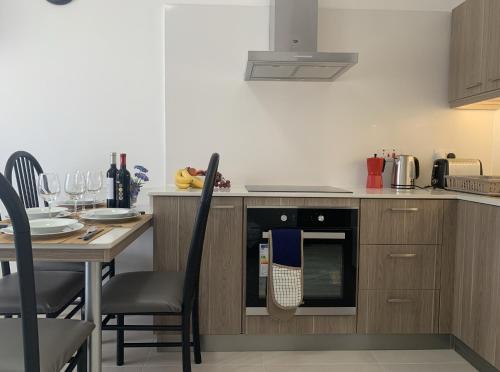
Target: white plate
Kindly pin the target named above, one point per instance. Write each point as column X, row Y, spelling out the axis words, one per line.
column 50, row 225
column 35, row 213
column 90, row 217
column 109, row 213
column 68, row 230
column 79, row 203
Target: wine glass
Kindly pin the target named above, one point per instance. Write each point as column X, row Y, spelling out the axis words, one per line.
column 49, row 188
column 94, row 185
column 75, row 186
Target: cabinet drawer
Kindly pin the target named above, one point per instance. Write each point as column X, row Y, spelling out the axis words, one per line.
column 401, row 221
column 398, row 311
column 399, row 267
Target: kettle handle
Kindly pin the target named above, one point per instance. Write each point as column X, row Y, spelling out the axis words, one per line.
column 417, row 168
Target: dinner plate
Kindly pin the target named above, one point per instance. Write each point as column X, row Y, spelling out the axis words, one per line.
column 91, row 217
column 109, row 212
column 67, row 230
column 36, row 213
column 50, row 225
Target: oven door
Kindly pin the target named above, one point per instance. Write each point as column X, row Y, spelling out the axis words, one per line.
column 329, row 274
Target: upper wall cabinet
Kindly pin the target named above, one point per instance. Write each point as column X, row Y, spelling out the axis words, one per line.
column 475, row 55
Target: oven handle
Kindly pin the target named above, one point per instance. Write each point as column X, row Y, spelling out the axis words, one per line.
column 315, row 235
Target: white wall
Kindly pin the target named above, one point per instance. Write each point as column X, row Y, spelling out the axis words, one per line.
column 313, row 133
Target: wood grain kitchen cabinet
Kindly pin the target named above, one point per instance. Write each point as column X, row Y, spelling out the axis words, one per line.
column 398, row 311
column 301, row 325
column 399, row 267
column 390, row 221
column 474, row 74
column 221, row 275
column 476, row 319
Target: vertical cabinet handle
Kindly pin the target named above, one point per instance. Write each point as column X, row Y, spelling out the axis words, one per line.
column 402, row 255
column 404, row 209
column 474, row 85
column 399, row 300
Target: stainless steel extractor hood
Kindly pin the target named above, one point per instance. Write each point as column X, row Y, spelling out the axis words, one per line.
column 293, row 39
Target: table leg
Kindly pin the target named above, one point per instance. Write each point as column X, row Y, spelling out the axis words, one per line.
column 93, row 313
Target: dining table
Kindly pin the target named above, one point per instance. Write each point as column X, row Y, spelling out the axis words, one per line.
column 112, row 239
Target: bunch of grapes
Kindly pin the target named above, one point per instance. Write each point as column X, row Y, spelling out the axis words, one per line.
column 221, row 182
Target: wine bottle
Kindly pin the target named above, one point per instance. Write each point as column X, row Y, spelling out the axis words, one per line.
column 111, row 182
column 123, row 184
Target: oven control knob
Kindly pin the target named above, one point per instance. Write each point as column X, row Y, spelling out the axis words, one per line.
column 284, row 217
column 321, row 218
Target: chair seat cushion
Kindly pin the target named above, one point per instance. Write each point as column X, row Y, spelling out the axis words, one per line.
column 59, row 340
column 54, row 290
column 143, row 292
column 59, row 266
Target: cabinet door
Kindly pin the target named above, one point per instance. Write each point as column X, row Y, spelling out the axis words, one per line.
column 477, row 279
column 492, row 45
column 398, row 311
column 221, row 276
column 467, row 44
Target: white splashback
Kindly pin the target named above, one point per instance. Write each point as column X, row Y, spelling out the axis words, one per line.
column 312, row 133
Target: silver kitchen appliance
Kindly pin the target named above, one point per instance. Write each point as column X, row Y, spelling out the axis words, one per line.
column 293, row 40
column 405, row 171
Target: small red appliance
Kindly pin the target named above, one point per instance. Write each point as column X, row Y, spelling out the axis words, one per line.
column 375, row 167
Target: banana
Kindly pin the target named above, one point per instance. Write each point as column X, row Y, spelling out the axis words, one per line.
column 183, row 186
column 180, row 179
column 186, row 175
column 197, row 183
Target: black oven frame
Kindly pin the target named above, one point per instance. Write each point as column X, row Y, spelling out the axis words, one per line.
column 336, row 220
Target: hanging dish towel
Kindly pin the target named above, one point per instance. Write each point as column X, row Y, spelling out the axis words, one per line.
column 285, row 282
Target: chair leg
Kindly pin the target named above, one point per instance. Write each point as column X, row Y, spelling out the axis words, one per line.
column 120, row 336
column 82, row 358
column 196, row 332
column 186, row 341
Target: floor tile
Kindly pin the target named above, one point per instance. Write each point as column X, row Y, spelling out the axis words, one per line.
column 417, row 356
column 352, row 367
column 205, row 368
column 316, row 357
column 450, row 367
column 121, row 369
column 209, row 358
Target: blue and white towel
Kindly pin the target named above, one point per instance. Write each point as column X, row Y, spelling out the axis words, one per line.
column 286, row 278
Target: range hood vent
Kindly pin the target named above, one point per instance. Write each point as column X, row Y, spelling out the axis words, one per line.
column 293, row 38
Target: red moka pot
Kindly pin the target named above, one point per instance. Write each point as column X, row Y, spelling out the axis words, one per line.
column 375, row 168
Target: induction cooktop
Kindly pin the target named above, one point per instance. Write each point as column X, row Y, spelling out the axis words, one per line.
column 289, row 188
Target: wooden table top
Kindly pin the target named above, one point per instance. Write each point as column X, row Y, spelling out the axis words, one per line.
column 103, row 247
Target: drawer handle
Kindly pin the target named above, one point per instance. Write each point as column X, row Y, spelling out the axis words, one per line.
column 399, row 300
column 404, row 209
column 223, row 207
column 475, row 85
column 402, row 255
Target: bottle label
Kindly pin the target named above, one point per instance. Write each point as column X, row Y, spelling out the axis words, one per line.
column 110, row 189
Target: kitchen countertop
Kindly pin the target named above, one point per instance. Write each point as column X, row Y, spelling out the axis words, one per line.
column 361, row 193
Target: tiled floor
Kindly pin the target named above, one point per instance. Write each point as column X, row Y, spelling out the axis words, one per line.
column 149, row 360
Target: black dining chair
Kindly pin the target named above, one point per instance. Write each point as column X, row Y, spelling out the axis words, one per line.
column 24, row 168
column 29, row 344
column 164, row 293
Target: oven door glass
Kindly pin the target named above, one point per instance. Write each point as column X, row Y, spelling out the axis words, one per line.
column 329, row 272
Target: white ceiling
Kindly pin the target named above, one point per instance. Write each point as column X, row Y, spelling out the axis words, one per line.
column 423, row 5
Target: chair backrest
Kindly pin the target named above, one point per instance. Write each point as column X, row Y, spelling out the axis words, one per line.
column 193, row 266
column 24, row 258
column 26, row 169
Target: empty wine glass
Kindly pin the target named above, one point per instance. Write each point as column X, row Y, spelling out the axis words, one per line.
column 49, row 188
column 94, row 185
column 75, row 186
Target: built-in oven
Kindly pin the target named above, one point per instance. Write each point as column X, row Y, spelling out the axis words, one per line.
column 330, row 259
